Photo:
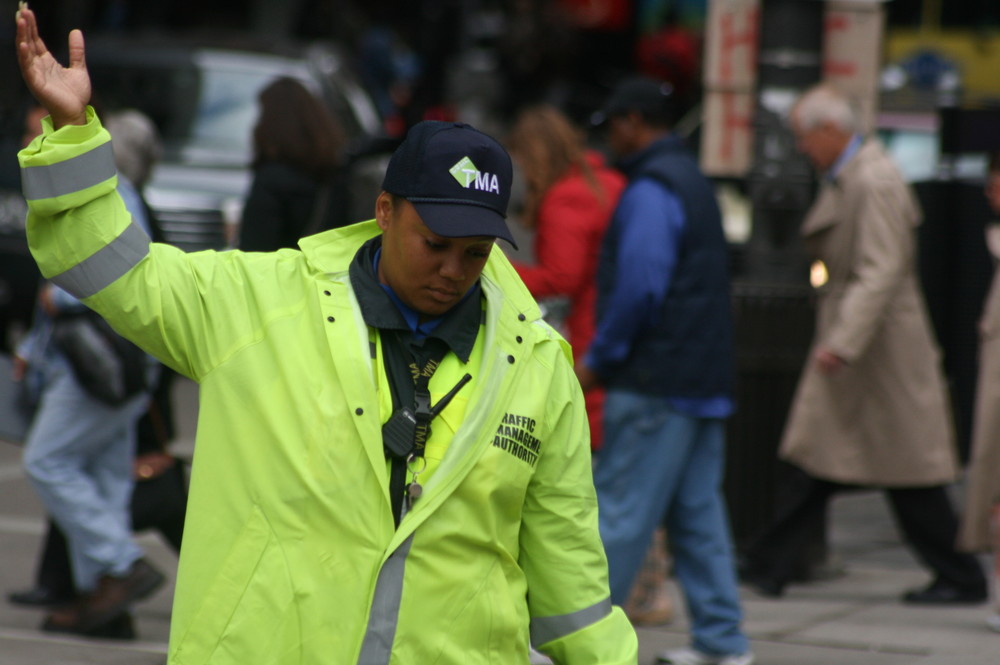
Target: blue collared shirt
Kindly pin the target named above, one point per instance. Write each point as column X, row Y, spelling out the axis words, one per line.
column 845, row 156
column 419, row 329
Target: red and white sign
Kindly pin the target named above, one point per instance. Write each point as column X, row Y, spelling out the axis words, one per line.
column 852, row 47
column 731, row 43
column 729, row 76
column 852, row 51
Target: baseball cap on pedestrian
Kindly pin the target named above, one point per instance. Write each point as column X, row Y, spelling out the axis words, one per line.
column 457, row 178
column 655, row 100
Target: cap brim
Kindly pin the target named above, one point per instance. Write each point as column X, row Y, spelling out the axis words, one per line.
column 599, row 118
column 454, row 220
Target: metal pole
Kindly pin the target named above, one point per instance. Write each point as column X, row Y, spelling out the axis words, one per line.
column 781, row 182
column 772, row 302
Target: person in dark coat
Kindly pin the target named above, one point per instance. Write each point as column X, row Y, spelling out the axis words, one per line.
column 299, row 178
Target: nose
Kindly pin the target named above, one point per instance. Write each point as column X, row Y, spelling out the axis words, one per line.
column 453, row 267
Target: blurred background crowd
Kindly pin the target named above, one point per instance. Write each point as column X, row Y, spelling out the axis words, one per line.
column 924, row 71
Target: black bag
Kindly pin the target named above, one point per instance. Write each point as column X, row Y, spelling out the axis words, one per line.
column 160, row 496
column 108, row 366
column 17, row 403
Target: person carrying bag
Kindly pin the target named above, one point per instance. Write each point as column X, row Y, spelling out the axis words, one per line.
column 107, row 366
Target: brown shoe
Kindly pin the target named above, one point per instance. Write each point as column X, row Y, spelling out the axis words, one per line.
column 649, row 602
column 115, row 594
column 41, row 596
column 65, row 619
column 68, row 620
column 656, row 609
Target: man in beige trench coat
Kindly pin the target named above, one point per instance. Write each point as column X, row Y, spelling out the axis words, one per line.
column 871, row 407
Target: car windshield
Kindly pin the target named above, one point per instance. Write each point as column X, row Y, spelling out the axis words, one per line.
column 914, row 152
column 226, row 110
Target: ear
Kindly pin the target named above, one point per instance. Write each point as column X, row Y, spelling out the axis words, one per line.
column 634, row 121
column 383, row 210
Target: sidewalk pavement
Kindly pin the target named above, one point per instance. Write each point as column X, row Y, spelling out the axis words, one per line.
column 853, row 619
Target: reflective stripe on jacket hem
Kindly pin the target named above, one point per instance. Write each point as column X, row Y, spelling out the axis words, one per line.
column 72, row 175
column 106, row 264
column 546, row 629
column 377, row 645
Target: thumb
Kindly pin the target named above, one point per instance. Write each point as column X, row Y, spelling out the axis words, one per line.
column 77, row 57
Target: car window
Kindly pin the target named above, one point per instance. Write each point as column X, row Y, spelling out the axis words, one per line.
column 914, row 152
column 204, row 101
column 225, row 113
column 164, row 92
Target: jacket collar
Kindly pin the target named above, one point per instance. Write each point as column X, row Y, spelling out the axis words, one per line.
column 331, row 252
column 845, row 157
column 457, row 328
column 630, row 164
column 827, row 209
column 868, row 150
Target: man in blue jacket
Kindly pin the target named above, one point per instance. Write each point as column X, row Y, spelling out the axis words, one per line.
column 663, row 349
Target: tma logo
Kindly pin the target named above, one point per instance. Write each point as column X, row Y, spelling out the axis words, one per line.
column 467, row 175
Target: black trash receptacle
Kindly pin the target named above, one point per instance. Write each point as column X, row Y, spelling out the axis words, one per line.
column 773, row 324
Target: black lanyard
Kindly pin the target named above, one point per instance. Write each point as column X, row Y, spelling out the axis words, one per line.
column 405, row 434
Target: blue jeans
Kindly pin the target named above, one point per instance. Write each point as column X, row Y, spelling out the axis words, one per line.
column 78, row 456
column 656, row 463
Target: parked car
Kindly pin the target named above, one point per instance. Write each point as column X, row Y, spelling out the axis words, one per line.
column 203, row 99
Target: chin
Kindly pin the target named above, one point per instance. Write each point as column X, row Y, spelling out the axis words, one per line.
column 435, row 310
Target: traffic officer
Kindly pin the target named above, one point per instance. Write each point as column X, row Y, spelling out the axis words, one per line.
column 391, row 462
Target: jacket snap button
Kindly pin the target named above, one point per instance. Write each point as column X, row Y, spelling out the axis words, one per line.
column 359, row 411
column 330, row 319
column 519, row 339
column 521, row 317
column 510, row 359
column 326, row 293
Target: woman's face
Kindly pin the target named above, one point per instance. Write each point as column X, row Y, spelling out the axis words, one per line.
column 428, row 272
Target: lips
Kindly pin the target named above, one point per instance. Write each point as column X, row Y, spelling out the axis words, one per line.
column 443, row 294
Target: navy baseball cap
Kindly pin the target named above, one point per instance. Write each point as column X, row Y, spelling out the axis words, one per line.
column 654, row 99
column 457, row 178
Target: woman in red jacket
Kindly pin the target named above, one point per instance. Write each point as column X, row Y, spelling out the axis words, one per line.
column 570, row 197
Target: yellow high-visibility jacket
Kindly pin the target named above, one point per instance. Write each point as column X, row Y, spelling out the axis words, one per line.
column 290, row 554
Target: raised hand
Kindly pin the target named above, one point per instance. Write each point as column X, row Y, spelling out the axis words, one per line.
column 63, row 91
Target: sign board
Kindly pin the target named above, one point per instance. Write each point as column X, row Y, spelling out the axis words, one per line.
column 731, row 44
column 852, row 48
column 852, row 52
column 727, row 135
column 729, row 74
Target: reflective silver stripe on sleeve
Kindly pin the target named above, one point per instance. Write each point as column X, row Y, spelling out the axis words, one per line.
column 377, row 645
column 546, row 629
column 73, row 175
column 107, row 264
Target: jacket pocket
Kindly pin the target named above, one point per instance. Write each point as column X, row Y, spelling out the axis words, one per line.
column 489, row 616
column 247, row 610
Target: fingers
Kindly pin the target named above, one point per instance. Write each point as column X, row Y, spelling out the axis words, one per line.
column 27, row 27
column 29, row 43
column 19, row 368
column 31, row 46
column 827, row 361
